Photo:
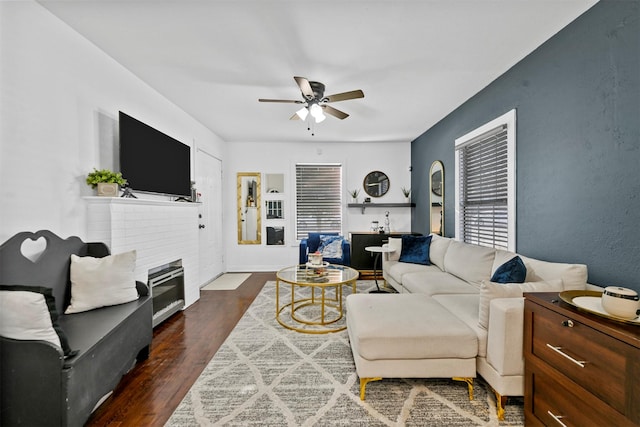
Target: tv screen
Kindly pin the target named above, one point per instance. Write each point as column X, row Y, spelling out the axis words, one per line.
column 151, row 161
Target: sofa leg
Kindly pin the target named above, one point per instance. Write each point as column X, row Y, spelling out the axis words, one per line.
column 469, row 382
column 363, row 385
column 501, row 402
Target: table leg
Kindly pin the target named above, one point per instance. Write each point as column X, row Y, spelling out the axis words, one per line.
column 277, row 297
column 322, row 307
column 375, row 276
column 375, row 271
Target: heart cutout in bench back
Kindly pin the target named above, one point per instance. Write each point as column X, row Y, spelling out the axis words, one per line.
column 32, row 249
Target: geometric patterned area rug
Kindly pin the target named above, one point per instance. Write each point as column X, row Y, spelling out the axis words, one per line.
column 267, row 375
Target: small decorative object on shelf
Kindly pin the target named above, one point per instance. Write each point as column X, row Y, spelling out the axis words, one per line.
column 407, row 194
column 354, row 195
column 105, row 181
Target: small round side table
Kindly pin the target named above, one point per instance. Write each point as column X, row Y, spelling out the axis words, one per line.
column 378, row 250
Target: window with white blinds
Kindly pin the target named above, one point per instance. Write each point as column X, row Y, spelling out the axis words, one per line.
column 485, row 184
column 318, row 198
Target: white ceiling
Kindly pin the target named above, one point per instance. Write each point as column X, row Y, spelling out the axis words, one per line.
column 416, row 61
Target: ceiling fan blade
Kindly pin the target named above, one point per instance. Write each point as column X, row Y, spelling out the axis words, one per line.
column 344, row 96
column 295, row 117
column 305, row 87
column 334, row 112
column 286, row 101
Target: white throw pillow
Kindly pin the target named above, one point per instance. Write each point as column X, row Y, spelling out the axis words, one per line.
column 25, row 316
column 491, row 290
column 99, row 282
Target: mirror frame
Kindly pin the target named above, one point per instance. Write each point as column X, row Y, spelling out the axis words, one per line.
column 434, row 197
column 375, row 174
column 242, row 205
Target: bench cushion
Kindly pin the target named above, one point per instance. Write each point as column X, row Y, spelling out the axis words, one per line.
column 407, row 326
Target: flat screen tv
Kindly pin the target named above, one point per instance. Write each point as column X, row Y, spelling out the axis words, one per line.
column 152, row 161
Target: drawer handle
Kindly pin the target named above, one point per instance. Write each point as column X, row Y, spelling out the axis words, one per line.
column 557, row 418
column 562, row 353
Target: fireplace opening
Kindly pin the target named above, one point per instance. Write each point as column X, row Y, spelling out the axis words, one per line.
column 166, row 283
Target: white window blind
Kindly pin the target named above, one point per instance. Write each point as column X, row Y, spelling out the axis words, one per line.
column 485, row 182
column 318, row 199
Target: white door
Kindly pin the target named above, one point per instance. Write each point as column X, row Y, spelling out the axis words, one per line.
column 209, row 184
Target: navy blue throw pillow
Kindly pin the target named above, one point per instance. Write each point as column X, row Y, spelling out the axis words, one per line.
column 512, row 271
column 415, row 249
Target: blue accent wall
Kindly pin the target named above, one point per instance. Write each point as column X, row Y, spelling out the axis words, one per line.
column 577, row 99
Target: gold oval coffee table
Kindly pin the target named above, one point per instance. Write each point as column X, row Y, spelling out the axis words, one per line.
column 309, row 312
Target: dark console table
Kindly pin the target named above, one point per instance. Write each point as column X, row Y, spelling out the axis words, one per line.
column 362, row 260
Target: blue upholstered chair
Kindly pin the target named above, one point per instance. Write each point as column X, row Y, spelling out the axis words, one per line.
column 311, row 244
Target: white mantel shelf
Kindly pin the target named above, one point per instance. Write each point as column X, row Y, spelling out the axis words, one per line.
column 161, row 232
column 133, row 201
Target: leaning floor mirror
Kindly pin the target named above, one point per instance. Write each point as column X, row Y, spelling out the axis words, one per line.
column 249, row 224
column 436, row 197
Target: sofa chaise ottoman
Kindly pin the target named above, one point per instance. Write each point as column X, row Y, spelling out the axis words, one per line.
column 460, row 279
column 409, row 336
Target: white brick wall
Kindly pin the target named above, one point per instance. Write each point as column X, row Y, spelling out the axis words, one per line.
column 160, row 231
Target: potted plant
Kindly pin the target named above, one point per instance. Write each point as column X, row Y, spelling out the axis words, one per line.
column 354, row 195
column 407, row 194
column 105, row 181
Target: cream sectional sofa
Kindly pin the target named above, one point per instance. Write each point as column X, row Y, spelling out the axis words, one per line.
column 458, row 279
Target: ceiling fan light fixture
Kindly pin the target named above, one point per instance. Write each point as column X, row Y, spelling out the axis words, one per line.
column 302, row 113
column 315, row 103
column 316, row 113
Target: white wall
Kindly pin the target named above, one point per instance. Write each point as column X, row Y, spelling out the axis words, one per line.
column 59, row 102
column 358, row 159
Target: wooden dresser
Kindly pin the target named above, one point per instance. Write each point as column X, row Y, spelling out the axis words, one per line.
column 580, row 369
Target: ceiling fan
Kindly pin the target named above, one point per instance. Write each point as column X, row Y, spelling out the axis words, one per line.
column 315, row 102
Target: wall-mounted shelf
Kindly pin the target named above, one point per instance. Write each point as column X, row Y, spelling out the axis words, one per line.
column 363, row 206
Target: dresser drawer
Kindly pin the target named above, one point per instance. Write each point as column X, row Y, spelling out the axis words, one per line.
column 555, row 405
column 592, row 359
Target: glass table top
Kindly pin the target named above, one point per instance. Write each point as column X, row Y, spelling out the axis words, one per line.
column 331, row 274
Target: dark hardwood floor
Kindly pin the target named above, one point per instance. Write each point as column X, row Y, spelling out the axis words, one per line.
column 182, row 347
